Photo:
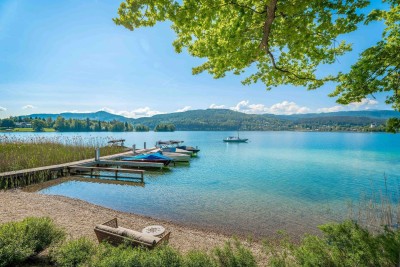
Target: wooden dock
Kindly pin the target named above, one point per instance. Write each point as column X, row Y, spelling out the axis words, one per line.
column 25, row 177
column 133, row 164
column 116, row 171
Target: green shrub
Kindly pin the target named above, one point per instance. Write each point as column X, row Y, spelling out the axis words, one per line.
column 343, row 244
column 13, row 246
column 20, row 240
column 82, row 253
column 74, row 253
column 108, row 256
column 162, row 256
column 198, row 259
column 41, row 233
column 234, row 255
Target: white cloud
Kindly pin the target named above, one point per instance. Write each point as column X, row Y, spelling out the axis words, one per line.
column 136, row 113
column 186, row 108
column 2, row 109
column 241, row 106
column 109, row 110
column 366, row 103
column 77, row 111
column 331, row 109
column 285, row 107
column 215, row 106
column 28, row 107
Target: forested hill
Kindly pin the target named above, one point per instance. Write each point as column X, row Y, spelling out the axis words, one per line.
column 375, row 114
column 225, row 119
column 215, row 120
column 96, row 116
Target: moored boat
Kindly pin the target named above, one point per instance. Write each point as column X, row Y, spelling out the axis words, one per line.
column 195, row 150
column 155, row 157
column 176, row 150
column 234, row 139
column 177, row 157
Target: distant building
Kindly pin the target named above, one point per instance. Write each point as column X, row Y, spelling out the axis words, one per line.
column 373, row 125
column 23, row 125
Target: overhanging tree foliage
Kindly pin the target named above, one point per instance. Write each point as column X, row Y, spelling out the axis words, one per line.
column 378, row 69
column 285, row 40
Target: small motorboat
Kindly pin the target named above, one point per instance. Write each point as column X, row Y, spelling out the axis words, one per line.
column 176, row 150
column 174, row 146
column 155, row 157
column 195, row 150
column 177, row 157
column 234, row 139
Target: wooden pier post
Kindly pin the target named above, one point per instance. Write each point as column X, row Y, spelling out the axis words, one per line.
column 134, row 149
column 144, row 145
column 97, row 154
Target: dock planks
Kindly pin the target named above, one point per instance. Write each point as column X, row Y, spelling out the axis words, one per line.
column 93, row 169
column 17, row 178
column 130, row 164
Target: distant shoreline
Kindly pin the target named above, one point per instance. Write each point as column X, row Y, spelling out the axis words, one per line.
column 297, row 131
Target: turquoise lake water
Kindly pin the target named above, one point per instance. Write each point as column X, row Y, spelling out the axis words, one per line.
column 279, row 180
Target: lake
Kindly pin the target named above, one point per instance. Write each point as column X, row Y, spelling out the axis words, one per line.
column 288, row 181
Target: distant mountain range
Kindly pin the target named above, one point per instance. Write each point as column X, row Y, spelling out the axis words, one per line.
column 99, row 115
column 225, row 119
column 375, row 114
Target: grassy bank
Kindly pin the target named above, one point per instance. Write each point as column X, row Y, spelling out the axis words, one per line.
column 25, row 130
column 18, row 153
column 344, row 244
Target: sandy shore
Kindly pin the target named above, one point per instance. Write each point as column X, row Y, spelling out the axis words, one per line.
column 78, row 218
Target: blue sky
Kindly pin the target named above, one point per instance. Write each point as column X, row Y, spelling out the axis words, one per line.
column 58, row 56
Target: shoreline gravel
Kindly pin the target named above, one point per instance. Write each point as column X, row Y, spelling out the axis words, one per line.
column 78, row 219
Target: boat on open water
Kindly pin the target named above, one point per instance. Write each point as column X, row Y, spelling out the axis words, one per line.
column 234, row 139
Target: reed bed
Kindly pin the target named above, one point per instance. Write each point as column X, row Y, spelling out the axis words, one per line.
column 17, row 153
column 378, row 209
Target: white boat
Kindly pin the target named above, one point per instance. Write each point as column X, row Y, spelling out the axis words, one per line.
column 176, row 150
column 178, row 157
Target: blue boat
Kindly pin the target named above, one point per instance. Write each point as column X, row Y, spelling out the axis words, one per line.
column 155, row 157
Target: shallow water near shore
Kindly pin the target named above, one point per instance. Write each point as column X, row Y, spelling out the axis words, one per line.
column 279, row 180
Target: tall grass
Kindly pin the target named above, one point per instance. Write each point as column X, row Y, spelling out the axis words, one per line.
column 17, row 153
column 378, row 209
column 341, row 244
column 83, row 252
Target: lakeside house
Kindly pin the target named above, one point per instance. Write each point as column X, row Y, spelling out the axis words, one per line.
column 23, row 125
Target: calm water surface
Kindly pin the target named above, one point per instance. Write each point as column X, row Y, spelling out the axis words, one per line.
column 279, row 180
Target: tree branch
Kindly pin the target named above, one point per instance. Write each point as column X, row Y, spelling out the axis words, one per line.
column 247, row 7
column 270, row 10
